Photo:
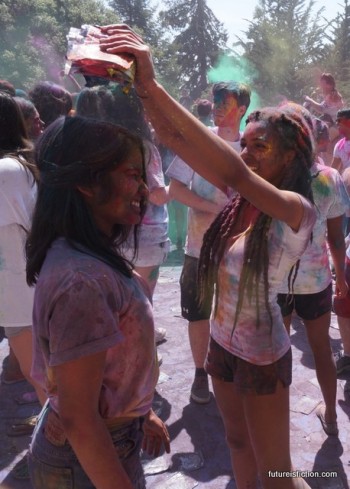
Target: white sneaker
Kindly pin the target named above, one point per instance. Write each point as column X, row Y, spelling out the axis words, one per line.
column 160, row 334
column 160, row 359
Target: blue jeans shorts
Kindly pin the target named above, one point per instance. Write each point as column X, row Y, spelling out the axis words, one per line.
column 55, row 466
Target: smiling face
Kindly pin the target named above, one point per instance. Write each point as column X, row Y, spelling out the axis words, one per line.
column 262, row 153
column 128, row 193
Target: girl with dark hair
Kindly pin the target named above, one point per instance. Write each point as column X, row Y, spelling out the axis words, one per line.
column 332, row 99
column 94, row 348
column 254, row 243
column 51, row 100
column 17, row 197
column 34, row 124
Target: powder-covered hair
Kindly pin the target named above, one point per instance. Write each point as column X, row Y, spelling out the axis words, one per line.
column 73, row 152
column 292, row 133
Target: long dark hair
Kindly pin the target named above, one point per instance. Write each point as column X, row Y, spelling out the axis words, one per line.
column 72, row 152
column 292, row 133
column 14, row 141
column 51, row 100
column 110, row 103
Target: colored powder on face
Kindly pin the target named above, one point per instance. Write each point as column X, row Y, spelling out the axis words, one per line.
column 237, row 69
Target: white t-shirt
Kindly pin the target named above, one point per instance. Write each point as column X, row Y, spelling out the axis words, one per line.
column 267, row 343
column 331, row 200
column 198, row 221
column 154, row 226
column 17, row 199
column 342, row 151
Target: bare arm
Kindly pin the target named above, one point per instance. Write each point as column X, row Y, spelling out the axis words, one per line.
column 315, row 105
column 193, row 142
column 79, row 385
column 180, row 192
column 336, row 242
column 337, row 163
column 159, row 196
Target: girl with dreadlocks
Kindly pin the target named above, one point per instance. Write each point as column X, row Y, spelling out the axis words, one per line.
column 247, row 252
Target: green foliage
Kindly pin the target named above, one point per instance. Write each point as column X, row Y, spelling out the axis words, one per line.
column 338, row 59
column 199, row 39
column 138, row 14
column 142, row 17
column 33, row 36
column 285, row 41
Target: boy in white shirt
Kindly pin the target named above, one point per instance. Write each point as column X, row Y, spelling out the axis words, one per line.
column 341, row 154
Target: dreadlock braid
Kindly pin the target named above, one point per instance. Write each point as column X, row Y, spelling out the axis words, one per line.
column 213, row 247
column 292, row 133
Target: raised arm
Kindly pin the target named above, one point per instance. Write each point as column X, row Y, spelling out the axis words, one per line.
column 315, row 105
column 192, row 141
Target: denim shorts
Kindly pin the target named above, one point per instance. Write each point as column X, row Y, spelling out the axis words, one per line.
column 247, row 377
column 190, row 307
column 149, row 255
column 307, row 306
column 57, row 467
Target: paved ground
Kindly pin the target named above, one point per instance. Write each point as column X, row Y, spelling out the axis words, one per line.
column 199, row 455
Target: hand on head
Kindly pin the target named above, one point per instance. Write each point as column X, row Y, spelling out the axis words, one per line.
column 121, row 39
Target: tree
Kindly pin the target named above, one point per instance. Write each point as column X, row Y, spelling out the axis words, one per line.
column 138, row 14
column 33, row 36
column 339, row 50
column 199, row 39
column 285, row 41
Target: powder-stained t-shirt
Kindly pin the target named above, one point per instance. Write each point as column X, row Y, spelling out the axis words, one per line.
column 331, row 201
column 198, row 221
column 17, row 200
column 82, row 306
column 267, row 343
column 154, row 225
column 342, row 151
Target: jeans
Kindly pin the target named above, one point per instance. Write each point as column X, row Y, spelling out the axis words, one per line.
column 57, row 467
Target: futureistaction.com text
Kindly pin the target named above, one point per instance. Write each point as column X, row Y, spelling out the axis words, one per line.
column 299, row 473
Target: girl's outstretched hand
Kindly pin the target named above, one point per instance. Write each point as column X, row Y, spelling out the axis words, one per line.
column 121, row 39
column 155, row 435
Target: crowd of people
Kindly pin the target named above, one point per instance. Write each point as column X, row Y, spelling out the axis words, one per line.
column 84, row 231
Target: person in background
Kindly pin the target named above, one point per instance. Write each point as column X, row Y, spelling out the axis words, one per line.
column 341, row 153
column 7, row 87
column 18, row 190
column 204, row 110
column 341, row 305
column 34, row 124
column 332, row 99
column 311, row 296
column 322, row 139
column 204, row 201
column 51, row 101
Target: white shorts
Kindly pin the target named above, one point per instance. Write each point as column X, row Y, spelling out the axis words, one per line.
column 15, row 330
column 149, row 255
